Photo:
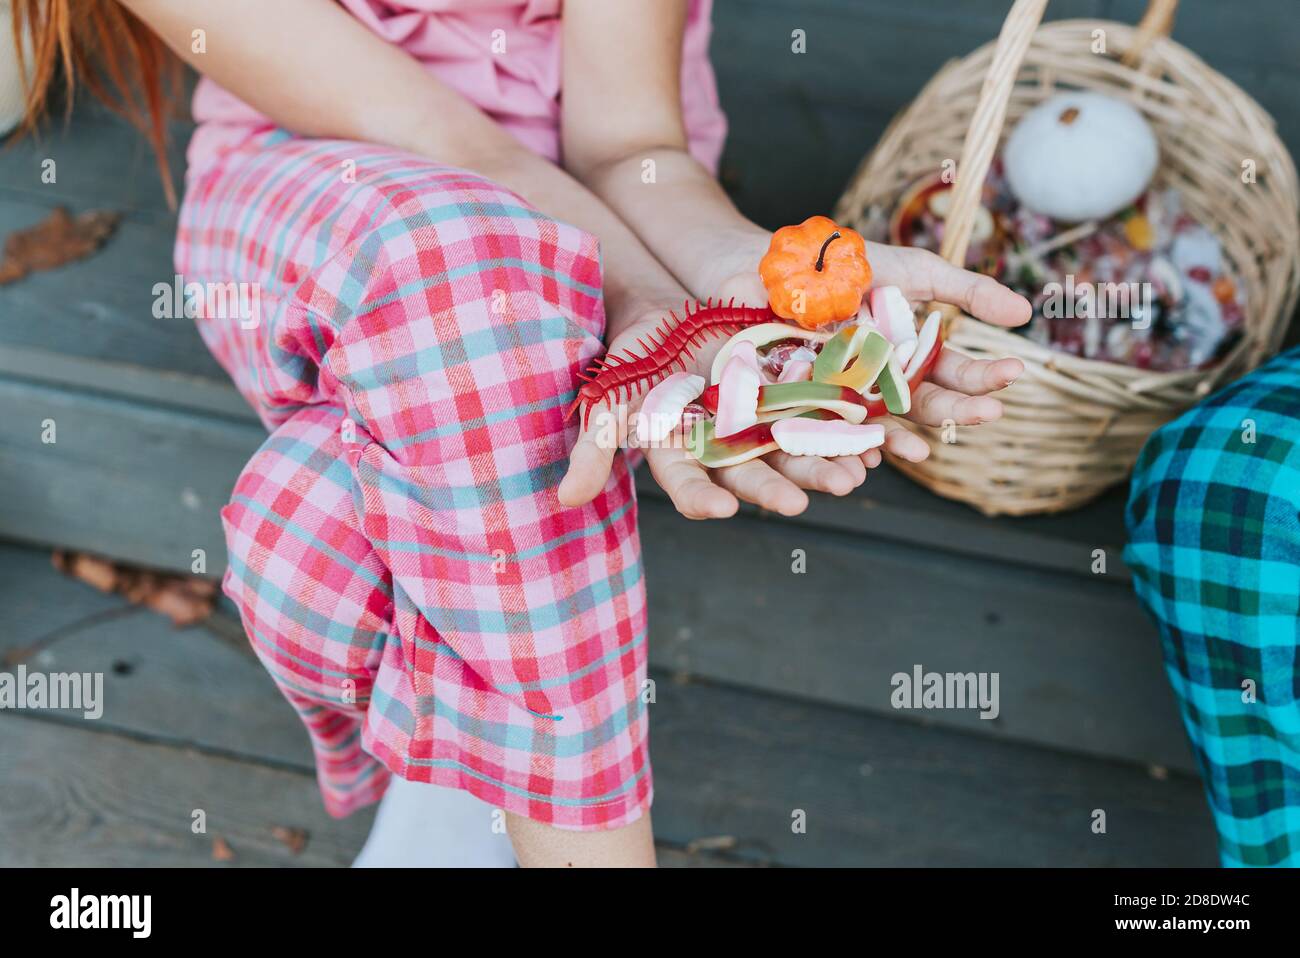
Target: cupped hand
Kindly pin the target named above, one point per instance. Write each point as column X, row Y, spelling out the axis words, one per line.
column 776, row 482
column 958, row 387
column 957, row 391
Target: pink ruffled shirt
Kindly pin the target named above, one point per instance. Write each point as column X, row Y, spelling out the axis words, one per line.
column 519, row 88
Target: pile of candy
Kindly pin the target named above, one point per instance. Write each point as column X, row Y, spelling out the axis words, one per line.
column 805, row 392
column 802, row 375
column 1148, row 287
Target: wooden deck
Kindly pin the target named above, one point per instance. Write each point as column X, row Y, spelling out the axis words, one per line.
column 191, row 721
column 773, row 688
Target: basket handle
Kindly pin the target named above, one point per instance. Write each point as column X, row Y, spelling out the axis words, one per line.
column 991, row 111
column 1158, row 21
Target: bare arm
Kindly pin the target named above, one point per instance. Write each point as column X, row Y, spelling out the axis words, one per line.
column 622, row 108
column 314, row 69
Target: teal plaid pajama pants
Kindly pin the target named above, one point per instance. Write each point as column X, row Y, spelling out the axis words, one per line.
column 1214, row 545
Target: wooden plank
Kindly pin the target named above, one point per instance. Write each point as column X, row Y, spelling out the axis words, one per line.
column 983, row 16
column 103, row 376
column 107, row 801
column 79, row 798
column 74, row 797
column 856, row 53
column 892, row 507
column 880, row 792
column 40, row 603
column 100, row 160
column 90, row 324
column 876, row 790
column 140, row 483
column 801, row 123
column 851, row 56
column 1079, row 664
column 820, row 147
column 153, row 674
column 671, row 857
column 1059, row 650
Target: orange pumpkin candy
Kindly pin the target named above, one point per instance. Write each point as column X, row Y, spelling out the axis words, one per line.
column 815, row 273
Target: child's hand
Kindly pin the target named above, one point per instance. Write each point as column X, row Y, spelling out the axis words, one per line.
column 957, row 388
column 957, row 391
column 958, row 385
column 775, row 482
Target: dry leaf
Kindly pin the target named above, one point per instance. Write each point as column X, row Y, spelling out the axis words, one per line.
column 294, row 839
column 58, row 239
column 221, row 850
column 91, row 569
column 183, row 600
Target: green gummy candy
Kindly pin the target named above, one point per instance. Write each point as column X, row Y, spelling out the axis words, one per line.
column 734, row 449
column 837, row 352
column 840, row 399
column 894, row 388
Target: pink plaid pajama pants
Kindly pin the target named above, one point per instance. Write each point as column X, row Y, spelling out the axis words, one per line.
column 397, row 552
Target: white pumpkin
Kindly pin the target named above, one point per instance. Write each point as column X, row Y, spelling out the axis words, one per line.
column 1080, row 156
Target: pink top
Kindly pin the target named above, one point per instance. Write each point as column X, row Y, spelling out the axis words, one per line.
column 520, row 88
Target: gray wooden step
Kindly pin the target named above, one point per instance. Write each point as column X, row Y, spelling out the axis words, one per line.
column 78, row 799
column 1099, row 697
column 191, row 720
column 41, row 605
column 1078, row 663
column 75, row 797
column 135, row 481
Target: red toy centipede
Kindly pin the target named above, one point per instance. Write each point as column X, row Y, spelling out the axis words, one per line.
column 623, row 377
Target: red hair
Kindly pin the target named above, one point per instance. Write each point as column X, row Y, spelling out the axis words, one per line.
column 112, row 53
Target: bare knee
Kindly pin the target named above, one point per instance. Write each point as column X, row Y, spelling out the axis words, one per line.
column 538, row 845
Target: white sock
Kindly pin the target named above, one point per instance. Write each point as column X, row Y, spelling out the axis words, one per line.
column 428, row 826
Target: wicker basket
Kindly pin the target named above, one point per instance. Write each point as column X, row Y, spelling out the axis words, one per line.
column 1073, row 427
